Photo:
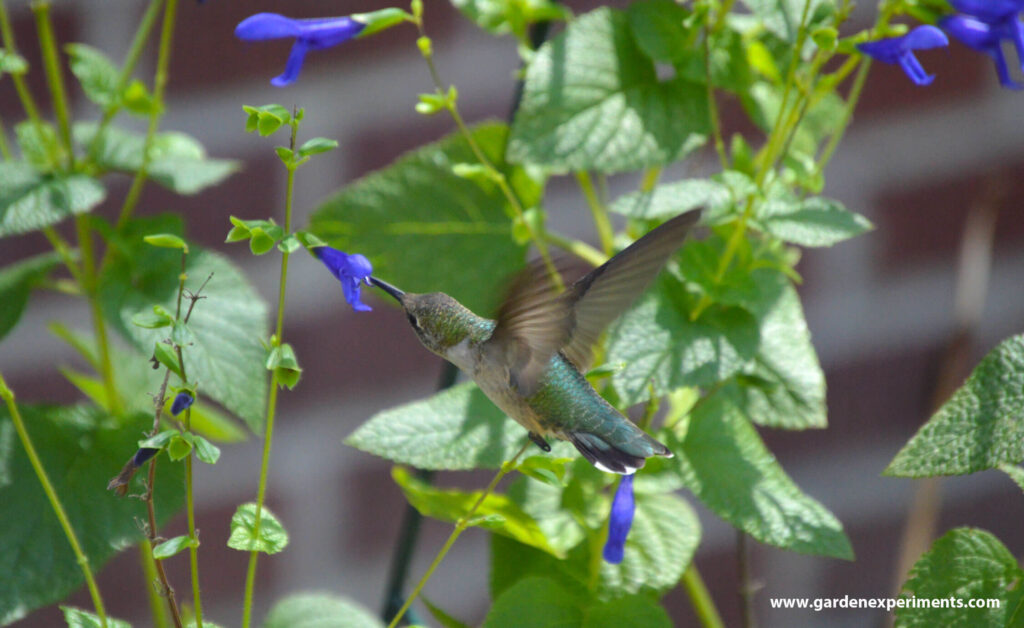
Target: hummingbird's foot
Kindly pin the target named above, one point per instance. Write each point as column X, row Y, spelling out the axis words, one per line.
column 539, row 441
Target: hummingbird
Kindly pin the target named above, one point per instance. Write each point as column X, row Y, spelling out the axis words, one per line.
column 531, row 358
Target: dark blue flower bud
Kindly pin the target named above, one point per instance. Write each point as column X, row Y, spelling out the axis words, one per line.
column 181, row 402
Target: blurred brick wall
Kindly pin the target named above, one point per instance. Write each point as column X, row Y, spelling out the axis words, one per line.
column 880, row 306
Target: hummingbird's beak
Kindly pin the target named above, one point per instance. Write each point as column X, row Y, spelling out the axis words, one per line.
column 386, row 287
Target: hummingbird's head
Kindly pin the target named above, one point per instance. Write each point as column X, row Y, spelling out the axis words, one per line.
column 440, row 322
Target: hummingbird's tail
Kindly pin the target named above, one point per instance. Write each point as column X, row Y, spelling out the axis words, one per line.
column 624, row 458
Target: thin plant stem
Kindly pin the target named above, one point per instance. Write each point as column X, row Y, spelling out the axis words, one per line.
column 716, row 125
column 88, row 281
column 27, row 102
column 54, row 77
column 703, row 605
column 723, row 12
column 156, row 607
column 250, row 576
column 498, row 176
column 51, row 495
column 5, row 148
column 580, row 249
column 745, row 588
column 128, row 67
column 460, row 525
column 65, row 253
column 599, row 212
column 165, row 584
column 131, row 199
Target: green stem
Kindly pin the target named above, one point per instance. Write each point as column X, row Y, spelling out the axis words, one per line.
column 88, row 280
column 460, row 525
column 159, row 84
column 51, row 495
column 250, row 576
column 27, row 102
column 650, row 179
column 704, row 606
column 716, row 125
column 128, row 68
column 156, row 606
column 580, row 249
column 64, row 252
column 851, row 103
column 5, row 148
column 54, row 77
column 598, row 211
column 723, row 12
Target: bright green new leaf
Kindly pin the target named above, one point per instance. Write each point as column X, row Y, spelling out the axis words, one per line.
column 445, row 619
column 166, row 240
column 171, row 547
column 536, row 602
column 727, row 466
column 81, row 448
column 12, row 63
column 180, row 446
column 593, row 101
column 497, row 513
column 272, row 536
column 813, row 221
column 227, row 326
column 316, row 146
column 17, row 282
column 426, row 229
column 659, row 344
column 966, row 565
column 504, row 16
column 459, row 428
column 77, row 618
column 98, row 76
column 980, row 427
column 319, row 610
column 165, row 354
column 158, row 440
column 635, row 611
column 205, row 450
column 177, row 161
column 30, row 201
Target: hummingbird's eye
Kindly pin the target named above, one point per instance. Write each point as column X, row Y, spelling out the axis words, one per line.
column 412, row 321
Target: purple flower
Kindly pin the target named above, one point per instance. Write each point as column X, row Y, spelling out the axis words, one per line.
column 143, row 455
column 620, row 520
column 311, row 34
column 351, row 270
column 984, row 25
column 182, row 401
column 901, row 50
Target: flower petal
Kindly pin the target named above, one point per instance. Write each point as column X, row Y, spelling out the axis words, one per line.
column 971, row 32
column 620, row 520
column 924, row 37
column 324, row 33
column 264, row 26
column 182, row 401
column 294, row 65
column 989, row 10
column 913, row 69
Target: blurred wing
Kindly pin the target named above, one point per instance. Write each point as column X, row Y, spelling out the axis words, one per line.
column 533, row 323
column 603, row 294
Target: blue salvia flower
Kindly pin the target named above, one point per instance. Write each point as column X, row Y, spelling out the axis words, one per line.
column 311, row 34
column 620, row 520
column 182, row 401
column 984, row 25
column 351, row 270
column 900, row 50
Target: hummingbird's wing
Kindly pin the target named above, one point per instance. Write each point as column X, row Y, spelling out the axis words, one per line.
column 535, row 321
column 603, row 294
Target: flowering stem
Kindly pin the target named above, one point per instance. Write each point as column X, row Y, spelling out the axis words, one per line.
column 156, row 607
column 83, row 561
column 250, row 576
column 704, row 606
column 460, row 525
column 159, row 85
column 51, row 66
column 598, row 211
column 498, row 176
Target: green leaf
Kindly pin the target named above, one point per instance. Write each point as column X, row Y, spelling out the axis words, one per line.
column 177, row 161
column 671, row 199
column 166, row 240
column 138, row 100
column 159, row 440
column 784, row 387
column 536, row 602
column 458, row 428
column 1016, row 473
column 965, row 565
column 98, row 76
column 658, row 29
column 544, row 502
column 39, row 145
column 165, row 354
column 814, row 221
column 504, row 16
column 30, row 201
column 180, row 446
column 153, row 320
column 727, row 466
column 444, row 618
column 12, row 63
column 782, row 17
column 205, row 450
column 318, row 610
column 272, row 537
column 171, row 547
column 593, row 101
column 627, row 612
column 425, row 229
column 497, row 513
column 81, row 448
column 512, row 561
column 660, row 546
column 77, row 618
column 980, row 427
column 659, row 343
column 228, row 325
column 316, row 146
column 17, row 282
